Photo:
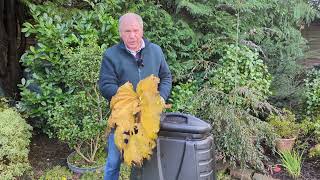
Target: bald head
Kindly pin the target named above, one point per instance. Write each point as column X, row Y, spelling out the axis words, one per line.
column 131, row 30
column 129, row 17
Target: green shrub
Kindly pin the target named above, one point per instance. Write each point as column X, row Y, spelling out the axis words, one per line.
column 80, row 119
column 57, row 173
column 176, row 37
column 238, row 134
column 58, row 30
column 65, row 65
column 14, row 143
column 181, row 95
column 313, row 93
column 241, row 67
column 284, row 124
column 311, row 128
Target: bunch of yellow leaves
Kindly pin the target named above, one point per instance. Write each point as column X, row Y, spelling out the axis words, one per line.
column 136, row 117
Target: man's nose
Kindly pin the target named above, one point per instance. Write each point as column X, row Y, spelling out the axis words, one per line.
column 132, row 35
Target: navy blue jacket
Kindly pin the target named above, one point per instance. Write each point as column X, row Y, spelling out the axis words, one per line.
column 120, row 66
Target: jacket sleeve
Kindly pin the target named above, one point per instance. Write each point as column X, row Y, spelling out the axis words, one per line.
column 108, row 82
column 165, row 78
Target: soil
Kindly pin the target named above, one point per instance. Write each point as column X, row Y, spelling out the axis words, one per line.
column 310, row 171
column 46, row 153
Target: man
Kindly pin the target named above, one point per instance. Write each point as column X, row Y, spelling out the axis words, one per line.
column 133, row 59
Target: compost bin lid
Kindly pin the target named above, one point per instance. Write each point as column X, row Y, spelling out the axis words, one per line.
column 183, row 123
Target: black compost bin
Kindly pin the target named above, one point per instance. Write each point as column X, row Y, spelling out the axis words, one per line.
column 185, row 151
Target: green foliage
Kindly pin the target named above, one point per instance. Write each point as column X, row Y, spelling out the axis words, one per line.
column 124, row 174
column 14, row 143
column 177, row 39
column 181, row 95
column 284, row 125
column 234, row 126
column 64, row 65
column 194, row 8
column 81, row 117
column 311, row 128
column 241, row 67
column 313, row 93
column 194, row 35
column 57, row 29
column 92, row 175
column 292, row 161
column 314, row 151
column 56, row 173
column 223, row 175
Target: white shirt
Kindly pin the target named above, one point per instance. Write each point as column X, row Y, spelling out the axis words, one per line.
column 134, row 53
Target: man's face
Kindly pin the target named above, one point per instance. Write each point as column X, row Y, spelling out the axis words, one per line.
column 131, row 33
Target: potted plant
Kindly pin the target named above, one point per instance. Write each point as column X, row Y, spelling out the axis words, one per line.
column 286, row 128
column 80, row 119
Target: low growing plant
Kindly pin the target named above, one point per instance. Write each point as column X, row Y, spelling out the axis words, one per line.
column 124, row 174
column 292, row 161
column 57, row 172
column 315, row 151
column 15, row 136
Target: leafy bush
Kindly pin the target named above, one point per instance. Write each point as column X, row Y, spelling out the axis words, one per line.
column 80, row 119
column 65, row 66
column 313, row 93
column 57, row 29
column 292, row 161
column 311, row 128
column 284, row 125
column 177, row 39
column 181, row 95
column 241, row 67
column 57, row 172
column 14, row 143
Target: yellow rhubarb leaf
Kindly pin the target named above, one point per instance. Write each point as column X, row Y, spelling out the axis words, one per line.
column 136, row 117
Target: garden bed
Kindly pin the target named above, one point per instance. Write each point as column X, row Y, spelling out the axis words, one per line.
column 310, row 170
column 46, row 153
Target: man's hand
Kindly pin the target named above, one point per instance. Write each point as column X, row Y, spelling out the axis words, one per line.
column 166, row 106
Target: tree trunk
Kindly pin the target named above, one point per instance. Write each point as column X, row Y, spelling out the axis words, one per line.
column 11, row 18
